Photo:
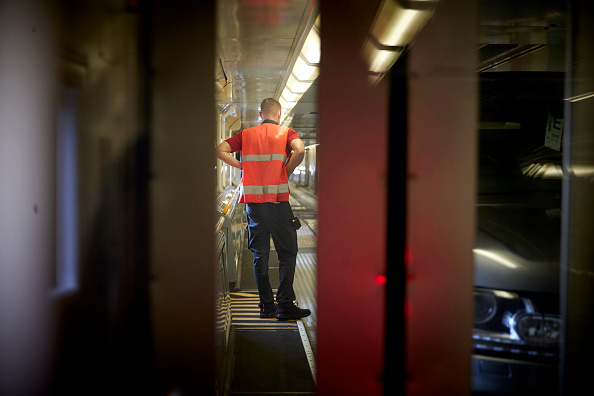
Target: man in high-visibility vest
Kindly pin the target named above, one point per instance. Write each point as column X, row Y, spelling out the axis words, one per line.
column 270, row 153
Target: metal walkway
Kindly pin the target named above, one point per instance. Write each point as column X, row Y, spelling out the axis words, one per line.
column 245, row 314
column 273, row 357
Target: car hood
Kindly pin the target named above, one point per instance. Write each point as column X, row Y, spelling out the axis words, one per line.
column 516, row 259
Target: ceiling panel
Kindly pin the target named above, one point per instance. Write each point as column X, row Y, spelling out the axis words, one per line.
column 257, row 39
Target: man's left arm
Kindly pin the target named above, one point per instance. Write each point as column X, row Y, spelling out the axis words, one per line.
column 223, row 153
column 298, row 154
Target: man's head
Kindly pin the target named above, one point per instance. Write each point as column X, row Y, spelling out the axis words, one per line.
column 270, row 109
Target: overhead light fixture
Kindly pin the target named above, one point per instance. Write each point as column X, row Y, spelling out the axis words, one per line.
column 304, row 71
column 381, row 61
column 297, row 86
column 290, row 96
column 286, row 105
column 395, row 27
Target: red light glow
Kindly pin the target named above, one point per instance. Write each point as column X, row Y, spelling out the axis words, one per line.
column 380, row 280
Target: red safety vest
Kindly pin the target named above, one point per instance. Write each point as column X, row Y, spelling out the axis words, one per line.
column 264, row 159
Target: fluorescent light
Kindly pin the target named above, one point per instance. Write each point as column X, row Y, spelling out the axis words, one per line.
column 297, row 86
column 303, row 71
column 290, row 96
column 394, row 28
column 311, row 47
column 382, row 60
column 397, row 26
column 286, row 104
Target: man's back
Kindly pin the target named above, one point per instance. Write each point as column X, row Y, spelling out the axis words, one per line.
column 265, row 153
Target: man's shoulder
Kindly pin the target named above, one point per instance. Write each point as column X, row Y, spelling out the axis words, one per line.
column 235, row 141
column 292, row 134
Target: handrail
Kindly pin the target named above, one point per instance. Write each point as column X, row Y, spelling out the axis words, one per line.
column 219, row 225
column 225, row 210
column 232, row 199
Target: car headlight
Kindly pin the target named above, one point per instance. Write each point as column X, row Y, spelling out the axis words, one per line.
column 494, row 308
column 485, row 307
column 508, row 323
column 537, row 329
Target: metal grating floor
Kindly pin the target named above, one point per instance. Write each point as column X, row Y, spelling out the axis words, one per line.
column 245, row 314
column 255, row 335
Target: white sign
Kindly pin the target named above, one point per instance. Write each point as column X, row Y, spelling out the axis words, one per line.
column 554, row 132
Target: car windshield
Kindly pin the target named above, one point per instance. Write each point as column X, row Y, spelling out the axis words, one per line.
column 519, row 173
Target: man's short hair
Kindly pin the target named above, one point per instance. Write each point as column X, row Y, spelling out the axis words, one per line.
column 270, row 106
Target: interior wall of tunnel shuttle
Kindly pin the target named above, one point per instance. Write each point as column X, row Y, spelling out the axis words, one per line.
column 27, row 203
column 96, row 336
column 440, row 196
column 352, row 207
column 103, row 315
column 181, row 191
column 76, row 66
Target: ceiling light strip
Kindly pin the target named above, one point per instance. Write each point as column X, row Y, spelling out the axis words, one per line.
column 395, row 26
column 303, row 72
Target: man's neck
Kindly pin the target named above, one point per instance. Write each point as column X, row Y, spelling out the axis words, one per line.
column 269, row 121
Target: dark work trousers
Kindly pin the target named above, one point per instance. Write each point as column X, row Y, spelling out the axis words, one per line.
column 276, row 219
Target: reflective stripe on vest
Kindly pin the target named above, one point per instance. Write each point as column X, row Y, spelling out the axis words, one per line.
column 261, row 190
column 265, row 157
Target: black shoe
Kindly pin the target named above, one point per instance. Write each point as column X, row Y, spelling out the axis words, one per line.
column 267, row 310
column 291, row 311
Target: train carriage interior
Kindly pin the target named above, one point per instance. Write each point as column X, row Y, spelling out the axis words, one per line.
column 445, row 197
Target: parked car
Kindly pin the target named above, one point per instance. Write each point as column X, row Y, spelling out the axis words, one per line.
column 517, row 327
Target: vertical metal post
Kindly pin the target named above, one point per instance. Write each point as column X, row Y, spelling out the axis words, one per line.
column 440, row 223
column 577, row 261
column 352, row 207
column 181, row 190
